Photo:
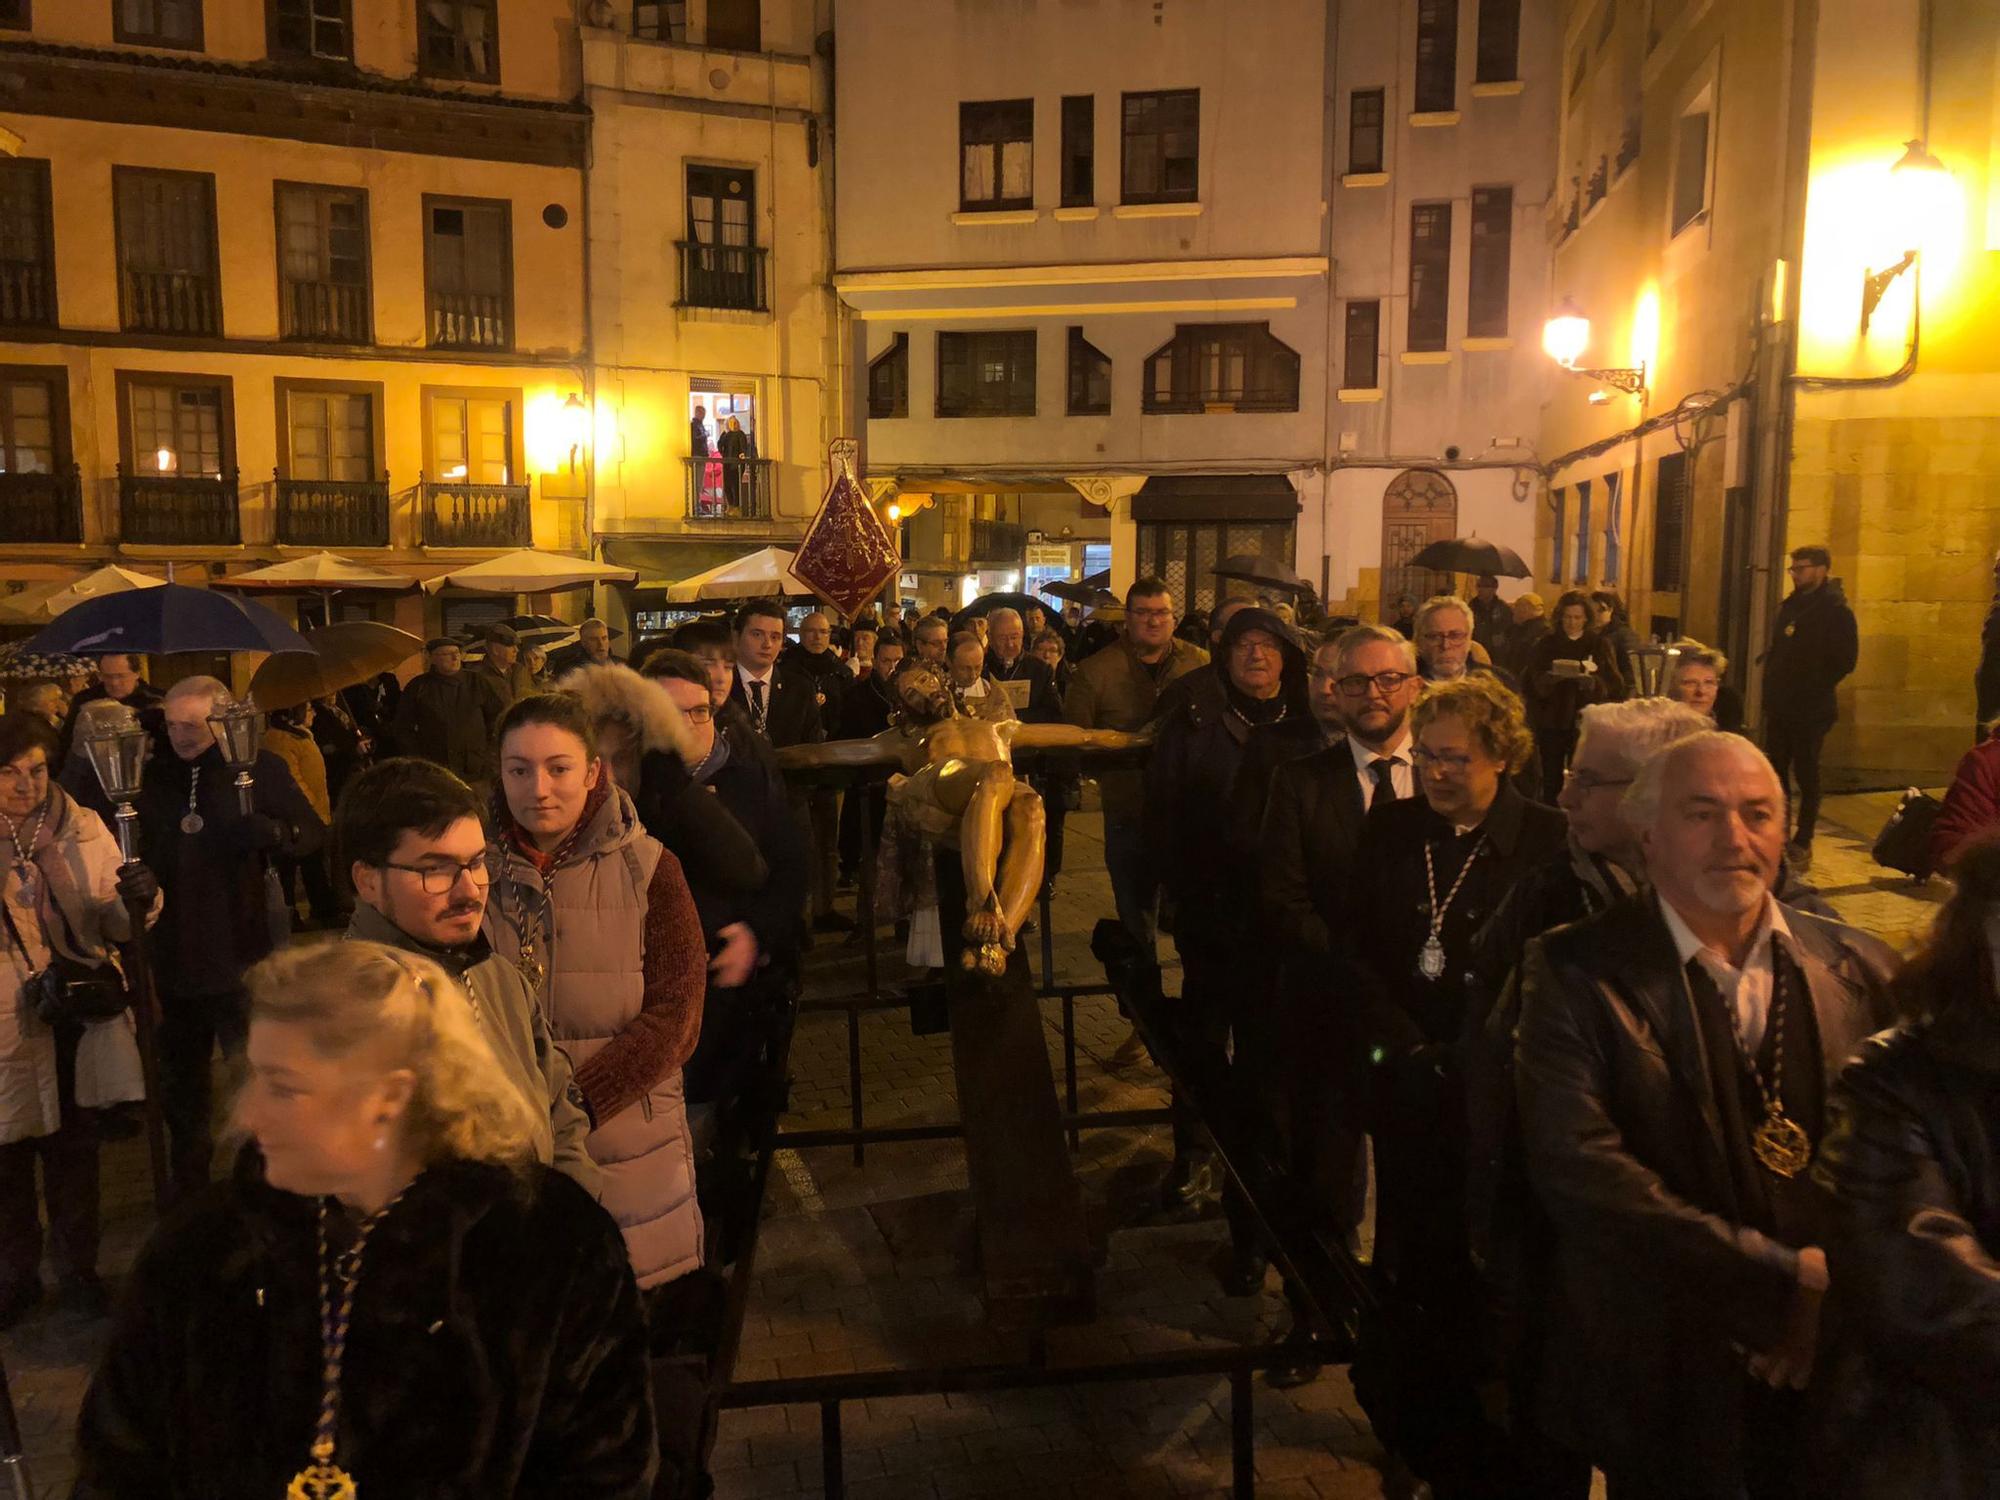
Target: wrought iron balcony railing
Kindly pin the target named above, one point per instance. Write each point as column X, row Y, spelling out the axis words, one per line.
column 470, row 320
column 998, row 542
column 333, row 512
column 172, row 510
column 729, row 489
column 325, row 312
column 724, row 276
column 27, row 294
column 41, row 507
column 476, row 515
column 169, row 302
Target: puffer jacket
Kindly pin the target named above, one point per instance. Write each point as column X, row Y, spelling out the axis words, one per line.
column 609, row 919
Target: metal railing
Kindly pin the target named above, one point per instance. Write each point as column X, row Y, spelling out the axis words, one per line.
column 997, row 542
column 168, row 510
column 729, row 489
column 333, row 513
column 169, row 302
column 325, row 312
column 469, row 320
column 27, row 294
column 475, row 515
column 41, row 507
column 723, row 276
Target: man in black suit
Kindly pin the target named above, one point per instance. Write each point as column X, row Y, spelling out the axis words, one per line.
column 783, row 704
column 1363, row 683
column 1030, row 685
column 1673, row 1062
column 865, row 712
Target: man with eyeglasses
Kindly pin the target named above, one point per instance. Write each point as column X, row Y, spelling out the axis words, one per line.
column 1445, row 628
column 412, row 833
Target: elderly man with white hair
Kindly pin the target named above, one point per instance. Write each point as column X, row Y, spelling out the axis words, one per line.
column 1673, row 1061
column 211, row 858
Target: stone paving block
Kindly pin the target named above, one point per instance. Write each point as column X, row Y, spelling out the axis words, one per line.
column 759, row 1482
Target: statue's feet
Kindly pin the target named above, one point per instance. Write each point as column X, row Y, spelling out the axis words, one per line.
column 987, row 958
column 988, row 929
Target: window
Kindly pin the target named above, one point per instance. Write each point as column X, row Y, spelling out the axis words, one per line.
column 175, row 428
column 986, row 374
column 322, row 29
column 167, row 278
column 330, row 435
column 1613, row 501
column 471, row 439
column 1238, row 366
column 1437, row 56
column 459, row 39
column 27, row 246
column 1669, row 522
column 1499, row 41
column 323, row 264
column 1089, row 377
column 16, row 14
column 1364, row 131
column 733, row 25
column 660, row 20
column 889, row 380
column 721, row 265
column 1492, row 245
column 1690, row 197
column 157, row 23
column 1581, row 573
column 1430, row 276
column 1558, row 534
column 1079, row 151
column 468, row 274
column 32, row 440
column 1162, row 147
column 996, row 152
column 1360, row 361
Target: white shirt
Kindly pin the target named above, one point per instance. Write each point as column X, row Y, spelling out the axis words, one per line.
column 1745, row 991
column 1402, row 772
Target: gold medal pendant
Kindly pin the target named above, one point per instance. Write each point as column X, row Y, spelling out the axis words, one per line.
column 321, row 1481
column 1780, row 1144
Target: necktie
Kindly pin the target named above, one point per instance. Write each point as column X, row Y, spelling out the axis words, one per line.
column 1383, row 769
column 757, row 707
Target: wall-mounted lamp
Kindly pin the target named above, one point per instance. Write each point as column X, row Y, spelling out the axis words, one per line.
column 576, row 427
column 1918, row 183
column 1567, row 335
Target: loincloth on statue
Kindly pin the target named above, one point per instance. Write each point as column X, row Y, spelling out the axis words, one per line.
column 915, row 800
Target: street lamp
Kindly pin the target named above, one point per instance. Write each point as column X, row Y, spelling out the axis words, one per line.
column 117, row 745
column 1564, row 338
column 576, row 427
column 239, row 729
column 1919, row 187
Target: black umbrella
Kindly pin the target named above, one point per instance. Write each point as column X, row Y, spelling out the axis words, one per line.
column 985, row 604
column 1264, row 572
column 1471, row 554
column 1080, row 591
column 164, row 620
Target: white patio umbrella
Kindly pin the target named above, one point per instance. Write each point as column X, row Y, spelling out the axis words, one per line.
column 321, row 573
column 525, row 572
column 760, row 574
column 50, row 600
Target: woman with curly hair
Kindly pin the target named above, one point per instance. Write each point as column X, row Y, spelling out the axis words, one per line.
column 1427, row 874
column 391, row 1296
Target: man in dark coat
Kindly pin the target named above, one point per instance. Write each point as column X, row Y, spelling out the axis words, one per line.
column 1030, row 685
column 1814, row 644
column 1673, row 1063
column 813, row 658
column 865, row 712
column 448, row 716
column 591, row 648
column 1205, row 791
column 783, row 703
column 1491, row 616
column 216, row 919
column 119, row 681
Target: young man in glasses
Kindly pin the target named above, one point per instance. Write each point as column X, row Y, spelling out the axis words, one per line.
column 411, row 832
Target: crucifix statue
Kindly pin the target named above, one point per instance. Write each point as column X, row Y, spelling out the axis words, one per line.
column 957, row 785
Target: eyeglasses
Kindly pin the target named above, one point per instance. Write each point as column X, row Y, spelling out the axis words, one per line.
column 1447, row 637
column 1590, row 781
column 1427, row 760
column 1247, row 644
column 701, row 713
column 439, row 877
column 1355, row 684
column 1149, row 614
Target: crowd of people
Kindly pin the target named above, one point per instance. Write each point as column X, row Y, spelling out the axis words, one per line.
column 1457, row 911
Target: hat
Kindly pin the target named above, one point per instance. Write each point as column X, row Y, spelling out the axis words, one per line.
column 500, row 635
column 438, row 641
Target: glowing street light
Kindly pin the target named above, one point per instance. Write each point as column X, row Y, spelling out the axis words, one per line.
column 1564, row 338
column 1921, row 197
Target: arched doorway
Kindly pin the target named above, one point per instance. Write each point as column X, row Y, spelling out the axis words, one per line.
column 1419, row 507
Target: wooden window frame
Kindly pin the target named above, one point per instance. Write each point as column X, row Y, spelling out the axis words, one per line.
column 140, row 39
column 1484, row 261
column 1259, row 343
column 1034, row 371
column 1357, row 163
column 446, row 200
column 1497, row 51
column 284, row 387
column 272, row 49
column 27, row 21
column 207, row 179
column 1349, row 375
column 1426, row 342
column 1126, row 193
column 323, row 189
column 756, row 39
column 1078, row 349
column 517, row 443
column 898, row 351
column 459, row 75
column 1079, row 150
column 1434, row 79
column 966, row 138
column 39, row 167
column 124, row 380
column 62, row 452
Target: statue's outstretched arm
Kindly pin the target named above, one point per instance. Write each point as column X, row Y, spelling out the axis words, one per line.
column 883, row 749
column 1070, row 737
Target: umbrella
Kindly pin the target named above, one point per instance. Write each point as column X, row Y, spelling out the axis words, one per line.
column 321, row 573
column 170, row 618
column 1470, row 554
column 528, row 572
column 985, row 604
column 18, row 664
column 339, row 656
column 1080, row 591
column 757, row 575
column 50, row 600
column 1264, row 572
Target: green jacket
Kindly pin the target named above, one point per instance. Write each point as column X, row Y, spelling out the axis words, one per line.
column 1113, row 689
column 515, row 1028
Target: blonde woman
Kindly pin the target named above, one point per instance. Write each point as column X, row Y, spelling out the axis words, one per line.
column 390, row 1293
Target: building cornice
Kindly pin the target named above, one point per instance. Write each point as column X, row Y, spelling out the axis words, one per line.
column 1087, row 273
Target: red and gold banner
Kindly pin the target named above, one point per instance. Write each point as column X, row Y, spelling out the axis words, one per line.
column 848, row 553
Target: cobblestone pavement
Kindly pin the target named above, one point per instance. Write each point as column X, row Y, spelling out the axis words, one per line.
column 869, row 1268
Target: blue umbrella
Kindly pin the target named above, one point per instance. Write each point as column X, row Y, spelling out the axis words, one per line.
column 164, row 620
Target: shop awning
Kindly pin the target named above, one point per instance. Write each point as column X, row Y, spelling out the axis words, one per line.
column 661, row 561
column 1216, row 497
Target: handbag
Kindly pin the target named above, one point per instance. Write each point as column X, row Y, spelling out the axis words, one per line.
column 69, row 990
column 1905, row 840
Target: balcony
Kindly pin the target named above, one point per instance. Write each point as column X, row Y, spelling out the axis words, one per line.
column 333, row 513
column 730, row 277
column 178, row 302
column 325, row 312
column 27, row 294
column 469, row 320
column 168, row 510
column 729, row 489
column 476, row 515
column 41, row 507
column 998, row 542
